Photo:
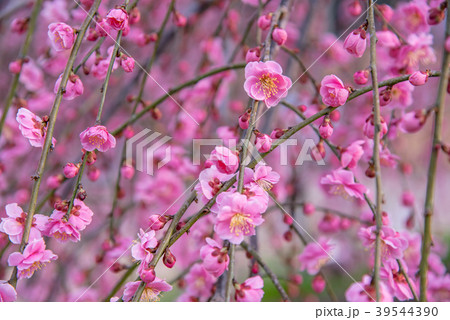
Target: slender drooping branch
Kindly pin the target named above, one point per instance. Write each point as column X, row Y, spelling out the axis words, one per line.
column 51, row 126
column 432, row 168
column 408, row 280
column 376, row 147
column 266, row 268
column 23, row 52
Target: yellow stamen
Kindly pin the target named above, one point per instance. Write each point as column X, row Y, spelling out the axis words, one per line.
column 268, row 85
column 240, row 223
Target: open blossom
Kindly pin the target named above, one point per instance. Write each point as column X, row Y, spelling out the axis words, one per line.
column 34, row 257
column 392, row 242
column 32, row 127
column 250, row 291
column 199, row 282
column 396, row 281
column 333, row 91
column 7, row 292
column 315, row 256
column 97, row 137
column 117, row 19
column 151, row 290
column 224, row 159
column 264, row 82
column 14, row 224
column 74, row 87
column 63, row 229
column 364, row 291
column 413, row 121
column 215, row 257
column 342, row 182
column 142, row 249
column 237, row 218
column 62, row 36
column 262, row 175
column 351, row 155
column 210, row 182
column 356, row 42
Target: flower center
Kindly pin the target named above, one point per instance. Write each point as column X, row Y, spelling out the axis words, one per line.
column 240, row 223
column 266, row 185
column 28, row 272
column 96, row 141
column 268, row 85
column 149, row 295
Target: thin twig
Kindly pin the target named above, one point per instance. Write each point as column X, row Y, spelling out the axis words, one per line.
column 432, row 168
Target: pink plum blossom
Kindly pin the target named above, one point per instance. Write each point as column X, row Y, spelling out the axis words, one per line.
column 237, row 218
column 7, row 292
column 224, row 159
column 14, row 224
column 356, row 42
column 32, row 127
column 351, row 155
column 117, row 19
column 151, row 290
column 215, row 257
column 364, row 291
column 315, row 256
column 333, row 91
column 74, row 87
column 342, row 182
column 62, row 36
column 250, row 291
column 97, row 137
column 393, row 243
column 34, row 257
column 142, row 249
column 264, row 82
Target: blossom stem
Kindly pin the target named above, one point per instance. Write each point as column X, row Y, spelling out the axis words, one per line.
column 108, row 76
column 88, row 55
column 50, row 129
column 408, row 280
column 164, row 243
column 23, row 52
column 376, row 147
column 77, row 186
column 432, row 168
column 121, row 281
column 230, row 277
column 266, row 268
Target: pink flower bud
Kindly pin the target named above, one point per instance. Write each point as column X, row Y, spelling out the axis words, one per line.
column 418, row 78
column 135, row 16
column 318, row 153
column 413, row 121
column 326, row 128
column 127, row 63
column 308, row 208
column 179, row 19
column 92, row 34
column 93, row 173
column 287, row 219
column 297, row 279
column 169, row 259
column 447, row 44
column 74, row 87
column 263, row 142
column 19, row 25
column 361, row 77
column 128, row 132
column 369, row 127
column 147, row 274
column 302, row 108
column 277, row 133
column 265, row 21
column 102, row 28
column 345, row 224
column 92, row 157
column 157, row 222
column 279, row 35
column 117, row 19
column 15, row 66
column 335, row 115
column 318, row 284
column 408, row 199
column 253, row 54
column 435, row 16
column 62, row 36
column 53, row 182
column 386, row 11
column 355, row 8
column 127, row 171
column 356, row 42
column 385, row 96
column 244, row 120
column 71, row 170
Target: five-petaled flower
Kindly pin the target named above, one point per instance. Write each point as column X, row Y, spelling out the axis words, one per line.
column 97, row 137
column 264, row 82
